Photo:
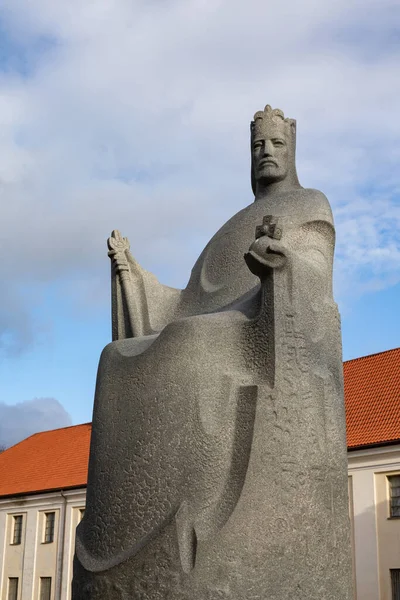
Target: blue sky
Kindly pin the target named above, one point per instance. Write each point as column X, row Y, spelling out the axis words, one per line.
column 134, row 115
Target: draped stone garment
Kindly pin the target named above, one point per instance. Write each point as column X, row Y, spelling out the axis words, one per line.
column 218, row 455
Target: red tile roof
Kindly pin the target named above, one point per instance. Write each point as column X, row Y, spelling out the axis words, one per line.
column 58, row 459
column 50, row 460
column 372, row 397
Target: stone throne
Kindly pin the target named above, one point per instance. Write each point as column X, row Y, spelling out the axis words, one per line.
column 218, row 463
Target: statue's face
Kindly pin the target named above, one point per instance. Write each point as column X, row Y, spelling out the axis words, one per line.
column 270, row 158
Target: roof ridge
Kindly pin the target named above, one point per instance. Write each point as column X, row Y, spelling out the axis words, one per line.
column 17, row 443
column 46, row 431
column 60, row 428
column 66, row 427
column 370, row 355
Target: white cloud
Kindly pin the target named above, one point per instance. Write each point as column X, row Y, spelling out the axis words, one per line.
column 26, row 418
column 134, row 115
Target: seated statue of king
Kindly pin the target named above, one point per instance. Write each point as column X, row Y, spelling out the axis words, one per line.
column 218, row 454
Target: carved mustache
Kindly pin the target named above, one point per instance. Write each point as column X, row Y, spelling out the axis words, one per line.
column 268, row 161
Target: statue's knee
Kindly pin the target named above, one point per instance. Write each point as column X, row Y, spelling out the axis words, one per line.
column 107, row 352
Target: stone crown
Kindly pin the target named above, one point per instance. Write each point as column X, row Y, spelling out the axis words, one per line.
column 272, row 120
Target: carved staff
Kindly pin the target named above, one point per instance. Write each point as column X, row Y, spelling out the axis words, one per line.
column 127, row 318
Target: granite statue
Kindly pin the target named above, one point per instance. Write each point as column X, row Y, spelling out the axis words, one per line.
column 218, row 465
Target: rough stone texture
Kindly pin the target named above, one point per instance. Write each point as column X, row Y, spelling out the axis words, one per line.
column 218, row 459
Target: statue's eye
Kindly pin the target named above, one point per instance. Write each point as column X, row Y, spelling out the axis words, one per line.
column 279, row 143
column 257, row 145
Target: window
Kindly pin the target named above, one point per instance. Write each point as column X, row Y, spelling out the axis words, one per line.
column 12, row 588
column 49, row 519
column 81, row 513
column 394, row 485
column 395, row 577
column 45, row 588
column 17, row 529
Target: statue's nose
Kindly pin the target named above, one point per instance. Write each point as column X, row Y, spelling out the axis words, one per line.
column 268, row 148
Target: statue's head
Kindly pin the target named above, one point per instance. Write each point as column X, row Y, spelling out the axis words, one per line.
column 273, row 148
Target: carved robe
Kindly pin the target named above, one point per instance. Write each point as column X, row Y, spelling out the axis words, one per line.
column 218, row 463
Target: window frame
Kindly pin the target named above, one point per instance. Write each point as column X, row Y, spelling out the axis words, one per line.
column 49, row 533
column 395, row 582
column 15, row 596
column 391, row 507
column 14, row 529
column 41, row 588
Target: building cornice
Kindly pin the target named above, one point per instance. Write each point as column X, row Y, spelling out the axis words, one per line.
column 18, row 502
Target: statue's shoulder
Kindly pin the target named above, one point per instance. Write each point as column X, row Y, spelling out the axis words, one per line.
column 317, row 204
column 317, row 197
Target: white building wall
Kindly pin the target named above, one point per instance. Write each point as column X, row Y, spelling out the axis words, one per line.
column 376, row 536
column 33, row 558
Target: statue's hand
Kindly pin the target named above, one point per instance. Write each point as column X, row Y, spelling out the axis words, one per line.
column 118, row 246
column 267, row 251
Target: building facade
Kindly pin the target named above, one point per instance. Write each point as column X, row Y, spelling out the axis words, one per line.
column 42, row 499
column 374, row 495
column 37, row 542
column 43, row 479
